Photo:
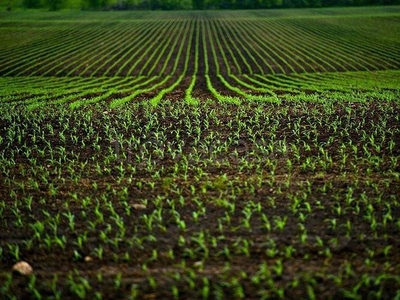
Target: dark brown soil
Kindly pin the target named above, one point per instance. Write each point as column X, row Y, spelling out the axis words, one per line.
column 329, row 246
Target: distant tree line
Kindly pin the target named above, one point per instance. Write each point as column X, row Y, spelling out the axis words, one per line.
column 238, row 4
column 50, row 4
column 199, row 4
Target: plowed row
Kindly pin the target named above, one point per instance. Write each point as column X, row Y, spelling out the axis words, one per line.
column 120, row 57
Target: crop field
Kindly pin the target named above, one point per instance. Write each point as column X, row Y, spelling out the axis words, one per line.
column 200, row 154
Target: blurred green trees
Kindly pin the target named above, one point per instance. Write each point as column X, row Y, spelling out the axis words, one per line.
column 194, row 4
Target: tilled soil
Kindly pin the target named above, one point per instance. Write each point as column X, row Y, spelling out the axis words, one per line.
column 243, row 203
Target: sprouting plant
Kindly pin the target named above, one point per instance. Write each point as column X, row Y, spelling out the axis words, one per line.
column 15, row 251
column 280, row 222
column 99, row 252
column 32, row 287
column 79, row 286
column 152, row 282
column 118, row 281
column 278, row 267
column 205, row 291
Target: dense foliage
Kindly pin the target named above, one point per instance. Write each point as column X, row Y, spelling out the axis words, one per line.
column 194, row 4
